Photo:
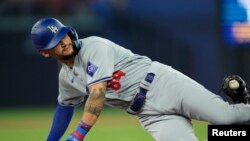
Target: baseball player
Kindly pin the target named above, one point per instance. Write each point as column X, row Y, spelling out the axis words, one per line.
column 95, row 71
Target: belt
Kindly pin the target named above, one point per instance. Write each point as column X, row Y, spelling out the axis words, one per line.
column 140, row 98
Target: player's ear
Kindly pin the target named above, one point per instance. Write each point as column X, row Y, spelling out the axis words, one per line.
column 44, row 53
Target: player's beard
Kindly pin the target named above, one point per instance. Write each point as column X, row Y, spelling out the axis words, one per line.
column 72, row 55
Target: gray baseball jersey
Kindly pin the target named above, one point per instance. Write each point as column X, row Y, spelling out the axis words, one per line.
column 173, row 99
column 102, row 60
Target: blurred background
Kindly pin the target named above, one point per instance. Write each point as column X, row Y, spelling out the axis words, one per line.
column 204, row 39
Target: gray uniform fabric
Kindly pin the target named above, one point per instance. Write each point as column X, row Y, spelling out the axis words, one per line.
column 173, row 98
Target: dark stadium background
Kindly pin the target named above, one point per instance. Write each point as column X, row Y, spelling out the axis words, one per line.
column 183, row 34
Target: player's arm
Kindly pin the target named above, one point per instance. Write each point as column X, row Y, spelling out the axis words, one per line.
column 62, row 118
column 94, row 103
column 92, row 109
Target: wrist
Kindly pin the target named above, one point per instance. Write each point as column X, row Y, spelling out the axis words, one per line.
column 81, row 130
column 85, row 126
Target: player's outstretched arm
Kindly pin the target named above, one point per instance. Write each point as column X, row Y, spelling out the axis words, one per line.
column 92, row 110
column 62, row 118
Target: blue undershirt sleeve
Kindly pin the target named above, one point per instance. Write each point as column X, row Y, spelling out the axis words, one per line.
column 62, row 118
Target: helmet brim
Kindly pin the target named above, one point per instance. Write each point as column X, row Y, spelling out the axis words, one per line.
column 58, row 37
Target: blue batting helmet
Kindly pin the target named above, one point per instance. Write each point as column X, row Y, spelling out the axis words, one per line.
column 47, row 33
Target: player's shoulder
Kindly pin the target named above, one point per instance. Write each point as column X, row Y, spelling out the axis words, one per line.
column 94, row 39
column 94, row 43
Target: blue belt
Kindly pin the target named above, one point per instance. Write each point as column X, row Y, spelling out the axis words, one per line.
column 140, row 98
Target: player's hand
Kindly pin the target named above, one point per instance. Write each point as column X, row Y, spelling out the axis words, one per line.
column 235, row 87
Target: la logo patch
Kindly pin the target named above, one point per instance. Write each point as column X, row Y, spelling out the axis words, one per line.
column 91, row 69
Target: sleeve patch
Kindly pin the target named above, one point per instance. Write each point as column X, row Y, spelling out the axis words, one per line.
column 91, row 69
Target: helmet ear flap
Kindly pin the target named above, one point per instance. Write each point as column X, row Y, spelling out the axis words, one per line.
column 74, row 36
